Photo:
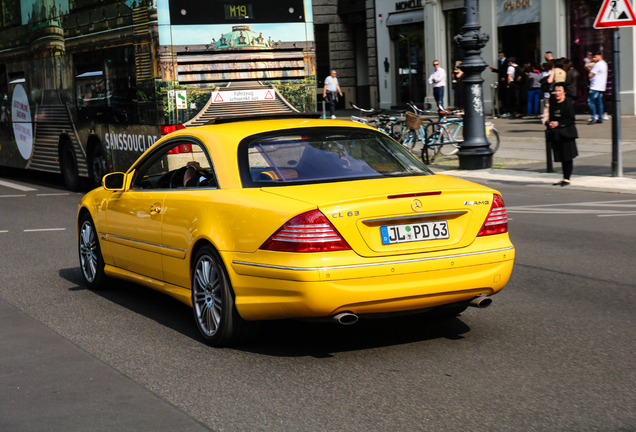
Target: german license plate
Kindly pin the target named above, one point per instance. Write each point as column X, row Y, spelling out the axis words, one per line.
column 422, row 231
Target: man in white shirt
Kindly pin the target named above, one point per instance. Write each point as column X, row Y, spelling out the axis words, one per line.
column 331, row 91
column 512, row 90
column 598, row 85
column 438, row 80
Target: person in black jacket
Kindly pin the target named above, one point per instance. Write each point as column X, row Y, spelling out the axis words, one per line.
column 562, row 132
column 502, row 81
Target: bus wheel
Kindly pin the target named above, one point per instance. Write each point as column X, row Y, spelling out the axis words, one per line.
column 98, row 166
column 69, row 167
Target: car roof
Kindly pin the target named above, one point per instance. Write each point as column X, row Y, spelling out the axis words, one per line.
column 222, row 140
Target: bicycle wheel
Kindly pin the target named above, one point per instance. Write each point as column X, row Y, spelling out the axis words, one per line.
column 408, row 139
column 430, row 148
column 493, row 137
column 448, row 146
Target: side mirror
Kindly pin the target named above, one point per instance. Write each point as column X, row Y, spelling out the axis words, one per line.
column 114, row 181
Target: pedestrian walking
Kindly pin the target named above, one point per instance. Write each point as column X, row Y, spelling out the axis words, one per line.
column 598, row 83
column 331, row 91
column 502, row 82
column 562, row 132
column 534, row 89
column 438, row 81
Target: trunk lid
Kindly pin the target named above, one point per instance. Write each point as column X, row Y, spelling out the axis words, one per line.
column 395, row 216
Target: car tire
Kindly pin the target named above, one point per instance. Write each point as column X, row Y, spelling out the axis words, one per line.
column 69, row 167
column 213, row 302
column 98, row 166
column 90, row 255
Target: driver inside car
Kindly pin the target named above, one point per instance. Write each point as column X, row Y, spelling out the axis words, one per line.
column 192, row 177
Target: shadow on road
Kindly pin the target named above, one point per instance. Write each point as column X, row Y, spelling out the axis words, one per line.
column 282, row 338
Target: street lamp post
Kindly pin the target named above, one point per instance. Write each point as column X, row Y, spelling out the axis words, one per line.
column 474, row 152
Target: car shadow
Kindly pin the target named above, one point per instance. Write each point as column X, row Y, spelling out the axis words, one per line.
column 282, row 338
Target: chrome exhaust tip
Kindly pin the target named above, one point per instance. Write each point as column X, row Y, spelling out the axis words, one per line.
column 346, row 318
column 481, row 301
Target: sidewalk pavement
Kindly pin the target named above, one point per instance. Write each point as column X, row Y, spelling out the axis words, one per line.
column 521, row 157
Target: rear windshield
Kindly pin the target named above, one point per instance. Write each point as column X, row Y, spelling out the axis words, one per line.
column 326, row 154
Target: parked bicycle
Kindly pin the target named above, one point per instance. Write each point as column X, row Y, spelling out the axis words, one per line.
column 442, row 137
column 387, row 123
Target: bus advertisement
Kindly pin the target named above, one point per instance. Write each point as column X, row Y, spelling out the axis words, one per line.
column 86, row 86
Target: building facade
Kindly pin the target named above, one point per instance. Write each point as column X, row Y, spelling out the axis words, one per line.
column 344, row 32
column 411, row 34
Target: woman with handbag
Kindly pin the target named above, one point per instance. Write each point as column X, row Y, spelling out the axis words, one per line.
column 562, row 132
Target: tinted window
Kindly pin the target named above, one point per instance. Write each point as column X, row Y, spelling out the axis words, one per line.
column 326, row 154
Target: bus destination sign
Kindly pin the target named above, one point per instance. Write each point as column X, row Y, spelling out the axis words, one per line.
column 193, row 12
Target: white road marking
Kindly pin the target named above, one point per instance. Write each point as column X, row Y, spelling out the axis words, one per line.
column 16, row 186
column 598, row 208
column 4, row 231
column 52, row 194
column 12, row 196
column 44, row 229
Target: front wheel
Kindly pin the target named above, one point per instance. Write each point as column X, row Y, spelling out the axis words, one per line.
column 90, row 255
column 213, row 302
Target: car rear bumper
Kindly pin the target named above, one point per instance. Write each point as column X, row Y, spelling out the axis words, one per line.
column 268, row 291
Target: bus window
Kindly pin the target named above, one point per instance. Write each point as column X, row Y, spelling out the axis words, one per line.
column 105, row 86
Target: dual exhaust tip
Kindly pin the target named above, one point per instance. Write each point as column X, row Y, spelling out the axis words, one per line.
column 349, row 318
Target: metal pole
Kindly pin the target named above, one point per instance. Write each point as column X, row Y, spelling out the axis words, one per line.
column 475, row 151
column 617, row 162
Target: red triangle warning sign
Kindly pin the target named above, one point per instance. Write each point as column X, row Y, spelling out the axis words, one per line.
column 269, row 95
column 615, row 13
column 218, row 98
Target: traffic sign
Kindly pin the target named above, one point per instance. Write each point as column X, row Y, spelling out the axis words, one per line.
column 615, row 13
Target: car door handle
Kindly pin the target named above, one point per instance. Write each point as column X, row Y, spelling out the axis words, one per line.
column 155, row 209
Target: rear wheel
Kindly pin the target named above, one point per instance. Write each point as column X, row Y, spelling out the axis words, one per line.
column 69, row 167
column 213, row 302
column 448, row 146
column 98, row 166
column 90, row 255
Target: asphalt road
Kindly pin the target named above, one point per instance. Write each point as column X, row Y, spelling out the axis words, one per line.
column 555, row 351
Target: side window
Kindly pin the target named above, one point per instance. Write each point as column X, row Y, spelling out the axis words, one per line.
column 176, row 166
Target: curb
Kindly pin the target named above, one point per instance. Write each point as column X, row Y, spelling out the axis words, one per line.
column 594, row 183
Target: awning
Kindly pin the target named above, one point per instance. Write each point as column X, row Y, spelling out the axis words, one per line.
column 409, row 17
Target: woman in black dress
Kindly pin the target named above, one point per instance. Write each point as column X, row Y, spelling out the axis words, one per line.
column 562, row 132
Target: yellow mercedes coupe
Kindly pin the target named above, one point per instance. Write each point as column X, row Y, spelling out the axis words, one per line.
column 294, row 218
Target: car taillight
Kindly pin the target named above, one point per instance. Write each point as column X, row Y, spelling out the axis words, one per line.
column 183, row 148
column 165, row 130
column 308, row 232
column 497, row 219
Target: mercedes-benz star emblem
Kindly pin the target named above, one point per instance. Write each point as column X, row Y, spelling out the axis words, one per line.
column 416, row 205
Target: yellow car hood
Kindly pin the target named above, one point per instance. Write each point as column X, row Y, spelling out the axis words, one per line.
column 358, row 210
